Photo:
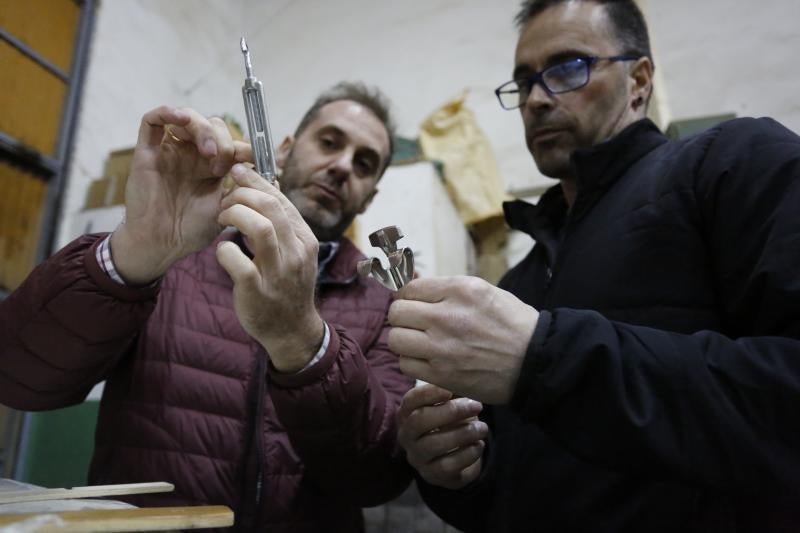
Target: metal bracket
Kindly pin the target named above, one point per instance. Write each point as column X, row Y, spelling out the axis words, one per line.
column 401, row 260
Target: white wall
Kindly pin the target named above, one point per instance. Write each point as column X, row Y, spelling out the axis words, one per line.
column 720, row 56
column 714, row 56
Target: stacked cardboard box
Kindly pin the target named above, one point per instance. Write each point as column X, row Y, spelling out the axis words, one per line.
column 110, row 189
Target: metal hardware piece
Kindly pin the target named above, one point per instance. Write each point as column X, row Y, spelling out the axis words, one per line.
column 401, row 260
column 255, row 108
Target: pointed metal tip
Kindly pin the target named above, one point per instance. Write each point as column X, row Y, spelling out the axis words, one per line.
column 243, row 44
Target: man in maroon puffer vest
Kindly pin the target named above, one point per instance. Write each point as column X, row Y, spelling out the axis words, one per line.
column 248, row 365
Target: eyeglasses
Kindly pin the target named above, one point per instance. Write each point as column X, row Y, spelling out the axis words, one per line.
column 561, row 78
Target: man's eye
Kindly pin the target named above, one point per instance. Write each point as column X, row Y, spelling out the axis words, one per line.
column 327, row 142
column 365, row 166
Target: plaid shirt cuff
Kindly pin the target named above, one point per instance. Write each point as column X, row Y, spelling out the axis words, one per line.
column 103, row 255
column 326, row 340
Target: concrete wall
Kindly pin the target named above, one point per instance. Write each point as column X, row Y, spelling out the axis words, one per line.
column 720, row 56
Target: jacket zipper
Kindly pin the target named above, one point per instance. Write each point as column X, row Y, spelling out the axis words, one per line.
column 257, row 390
column 551, row 271
column 260, row 388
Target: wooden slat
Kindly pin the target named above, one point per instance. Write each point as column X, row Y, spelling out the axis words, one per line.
column 20, row 223
column 95, row 491
column 31, row 99
column 6, row 182
column 47, row 26
column 142, row 519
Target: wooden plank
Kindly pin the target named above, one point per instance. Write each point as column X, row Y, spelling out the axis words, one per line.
column 32, row 101
column 47, row 26
column 94, row 491
column 141, row 519
column 6, row 184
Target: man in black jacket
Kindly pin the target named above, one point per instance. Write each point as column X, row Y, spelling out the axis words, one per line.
column 639, row 370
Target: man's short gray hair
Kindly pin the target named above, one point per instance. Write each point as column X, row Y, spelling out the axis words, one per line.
column 370, row 97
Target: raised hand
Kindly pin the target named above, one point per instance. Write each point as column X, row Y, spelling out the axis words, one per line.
column 273, row 292
column 173, row 193
column 463, row 334
column 442, row 436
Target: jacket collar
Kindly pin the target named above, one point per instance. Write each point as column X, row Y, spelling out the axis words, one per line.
column 596, row 169
column 341, row 268
column 601, row 165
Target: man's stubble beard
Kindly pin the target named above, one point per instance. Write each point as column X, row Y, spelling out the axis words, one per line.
column 308, row 207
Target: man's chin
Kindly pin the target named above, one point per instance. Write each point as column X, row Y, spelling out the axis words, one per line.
column 552, row 167
column 326, row 230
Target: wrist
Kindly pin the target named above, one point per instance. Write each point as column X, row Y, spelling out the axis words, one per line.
column 290, row 352
column 136, row 262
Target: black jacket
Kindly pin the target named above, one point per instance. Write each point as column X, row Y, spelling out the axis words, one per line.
column 661, row 388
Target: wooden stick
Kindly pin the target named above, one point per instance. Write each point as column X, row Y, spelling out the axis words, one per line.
column 141, row 519
column 94, row 491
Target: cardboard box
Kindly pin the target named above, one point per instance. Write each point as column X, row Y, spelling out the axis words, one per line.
column 116, row 170
column 118, row 163
column 96, row 194
column 116, row 192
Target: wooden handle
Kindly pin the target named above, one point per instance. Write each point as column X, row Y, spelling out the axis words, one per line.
column 142, row 519
column 94, row 491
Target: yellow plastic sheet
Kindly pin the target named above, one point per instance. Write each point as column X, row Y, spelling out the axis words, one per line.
column 451, row 135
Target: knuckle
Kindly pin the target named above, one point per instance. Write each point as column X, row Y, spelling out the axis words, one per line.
column 265, row 229
column 312, row 247
column 469, row 435
column 250, row 277
column 444, row 467
column 267, row 203
column 461, row 408
column 442, row 444
column 476, row 286
column 405, row 364
column 440, row 365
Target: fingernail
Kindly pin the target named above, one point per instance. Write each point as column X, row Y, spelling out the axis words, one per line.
column 210, row 146
column 466, row 403
column 238, row 169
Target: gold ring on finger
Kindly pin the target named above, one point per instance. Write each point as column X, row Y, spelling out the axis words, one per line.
column 172, row 135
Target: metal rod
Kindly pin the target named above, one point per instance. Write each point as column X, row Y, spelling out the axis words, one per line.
column 18, row 153
column 54, row 202
column 34, row 55
column 248, row 66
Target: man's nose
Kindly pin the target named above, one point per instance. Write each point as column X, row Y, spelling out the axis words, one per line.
column 538, row 98
column 342, row 166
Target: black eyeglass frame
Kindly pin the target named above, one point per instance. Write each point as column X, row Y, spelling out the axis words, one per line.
column 538, row 77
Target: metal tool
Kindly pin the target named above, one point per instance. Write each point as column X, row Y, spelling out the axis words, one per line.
column 401, row 260
column 257, row 120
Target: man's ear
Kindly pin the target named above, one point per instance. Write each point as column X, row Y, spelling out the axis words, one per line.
column 641, row 82
column 368, row 201
column 283, row 150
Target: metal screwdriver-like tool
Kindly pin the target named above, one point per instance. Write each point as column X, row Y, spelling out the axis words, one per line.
column 257, row 120
column 401, row 260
